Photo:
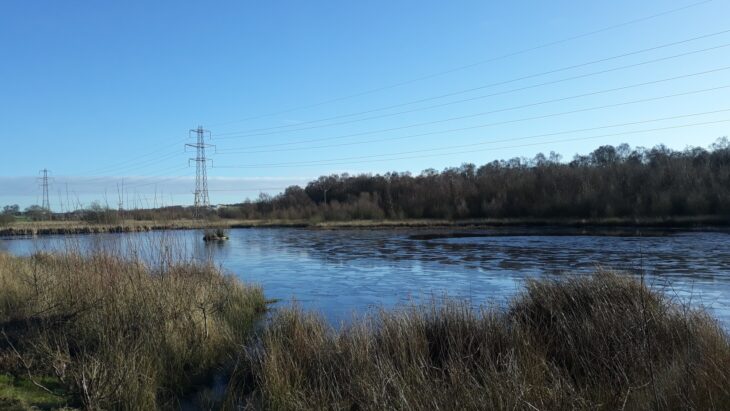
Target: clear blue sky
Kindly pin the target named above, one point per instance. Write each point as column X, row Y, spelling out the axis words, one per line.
column 100, row 92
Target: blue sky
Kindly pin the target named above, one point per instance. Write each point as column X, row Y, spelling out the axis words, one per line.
column 104, row 92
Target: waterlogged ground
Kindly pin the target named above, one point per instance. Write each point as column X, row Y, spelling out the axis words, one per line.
column 341, row 272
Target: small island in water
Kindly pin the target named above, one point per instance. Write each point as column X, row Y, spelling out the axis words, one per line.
column 218, row 234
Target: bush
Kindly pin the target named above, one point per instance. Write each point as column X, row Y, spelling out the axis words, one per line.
column 97, row 214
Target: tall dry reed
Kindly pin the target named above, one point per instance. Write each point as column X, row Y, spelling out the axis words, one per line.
column 121, row 333
column 601, row 342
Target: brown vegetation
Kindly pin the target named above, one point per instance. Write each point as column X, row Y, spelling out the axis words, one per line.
column 80, row 227
column 104, row 332
column 118, row 333
column 605, row 342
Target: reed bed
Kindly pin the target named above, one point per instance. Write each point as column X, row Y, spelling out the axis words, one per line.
column 601, row 342
column 147, row 331
column 120, row 333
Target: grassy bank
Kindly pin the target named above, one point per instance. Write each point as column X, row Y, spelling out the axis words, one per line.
column 55, row 227
column 605, row 342
column 102, row 332
column 32, row 228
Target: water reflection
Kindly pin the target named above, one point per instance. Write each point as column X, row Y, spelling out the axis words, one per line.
column 340, row 272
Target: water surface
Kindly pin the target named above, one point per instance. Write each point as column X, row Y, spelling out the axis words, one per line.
column 341, row 272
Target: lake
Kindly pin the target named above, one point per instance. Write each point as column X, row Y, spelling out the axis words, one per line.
column 341, row 272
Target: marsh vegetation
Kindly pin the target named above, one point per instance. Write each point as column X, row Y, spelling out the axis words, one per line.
column 119, row 333
column 105, row 332
column 599, row 342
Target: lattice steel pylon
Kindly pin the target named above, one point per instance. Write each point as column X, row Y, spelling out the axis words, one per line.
column 202, row 201
column 46, row 204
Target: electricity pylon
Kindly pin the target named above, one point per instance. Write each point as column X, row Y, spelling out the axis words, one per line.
column 202, row 201
column 46, row 204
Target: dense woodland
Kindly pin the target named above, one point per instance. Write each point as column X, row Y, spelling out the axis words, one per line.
column 609, row 182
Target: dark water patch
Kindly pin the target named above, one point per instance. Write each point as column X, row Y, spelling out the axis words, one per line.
column 558, row 231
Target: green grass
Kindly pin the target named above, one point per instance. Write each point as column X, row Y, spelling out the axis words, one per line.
column 22, row 394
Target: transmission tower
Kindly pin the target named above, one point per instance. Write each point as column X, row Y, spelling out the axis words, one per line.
column 120, row 197
column 202, row 201
column 46, row 205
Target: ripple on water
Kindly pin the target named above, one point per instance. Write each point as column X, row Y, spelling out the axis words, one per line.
column 346, row 271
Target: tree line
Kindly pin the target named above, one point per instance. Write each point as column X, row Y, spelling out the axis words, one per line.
column 609, row 182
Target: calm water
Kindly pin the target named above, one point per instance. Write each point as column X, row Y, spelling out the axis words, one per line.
column 341, row 272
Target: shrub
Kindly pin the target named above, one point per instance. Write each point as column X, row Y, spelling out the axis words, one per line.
column 97, row 214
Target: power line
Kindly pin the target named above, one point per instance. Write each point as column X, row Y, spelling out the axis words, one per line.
column 339, row 161
column 483, row 125
column 125, row 162
column 136, row 163
column 251, row 189
column 501, row 110
column 140, row 182
column 159, row 182
column 134, row 185
column 455, row 69
column 107, row 179
column 492, row 94
column 253, row 132
column 151, row 162
column 213, row 189
column 147, row 178
column 135, row 166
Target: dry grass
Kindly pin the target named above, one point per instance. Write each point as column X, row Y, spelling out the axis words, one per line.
column 604, row 342
column 118, row 333
column 26, row 228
